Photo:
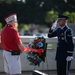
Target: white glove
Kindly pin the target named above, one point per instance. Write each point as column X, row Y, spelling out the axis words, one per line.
column 69, row 58
column 54, row 25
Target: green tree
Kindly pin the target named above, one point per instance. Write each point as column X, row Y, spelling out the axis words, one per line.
column 51, row 16
column 35, row 11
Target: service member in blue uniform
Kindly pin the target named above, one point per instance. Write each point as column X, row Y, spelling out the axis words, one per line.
column 65, row 46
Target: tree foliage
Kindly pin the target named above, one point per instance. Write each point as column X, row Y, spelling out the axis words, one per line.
column 37, row 11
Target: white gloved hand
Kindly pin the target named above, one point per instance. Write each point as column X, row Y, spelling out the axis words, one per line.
column 54, row 25
column 69, row 58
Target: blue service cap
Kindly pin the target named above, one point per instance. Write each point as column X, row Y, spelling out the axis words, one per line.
column 63, row 17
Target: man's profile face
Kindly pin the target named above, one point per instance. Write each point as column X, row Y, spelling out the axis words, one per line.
column 62, row 22
column 15, row 23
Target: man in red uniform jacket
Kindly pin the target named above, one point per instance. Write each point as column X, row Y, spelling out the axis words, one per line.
column 12, row 46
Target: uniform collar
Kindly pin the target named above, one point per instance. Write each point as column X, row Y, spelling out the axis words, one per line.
column 64, row 27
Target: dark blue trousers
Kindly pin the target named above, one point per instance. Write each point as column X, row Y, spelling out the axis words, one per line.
column 63, row 67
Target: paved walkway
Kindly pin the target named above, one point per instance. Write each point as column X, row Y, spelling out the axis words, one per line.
column 48, row 72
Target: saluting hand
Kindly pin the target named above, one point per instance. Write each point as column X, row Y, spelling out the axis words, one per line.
column 54, row 25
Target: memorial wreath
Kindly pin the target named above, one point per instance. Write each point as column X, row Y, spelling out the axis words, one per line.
column 36, row 58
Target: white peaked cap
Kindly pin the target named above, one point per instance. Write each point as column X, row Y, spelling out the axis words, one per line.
column 11, row 17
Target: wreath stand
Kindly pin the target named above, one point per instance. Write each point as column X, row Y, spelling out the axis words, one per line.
column 37, row 72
